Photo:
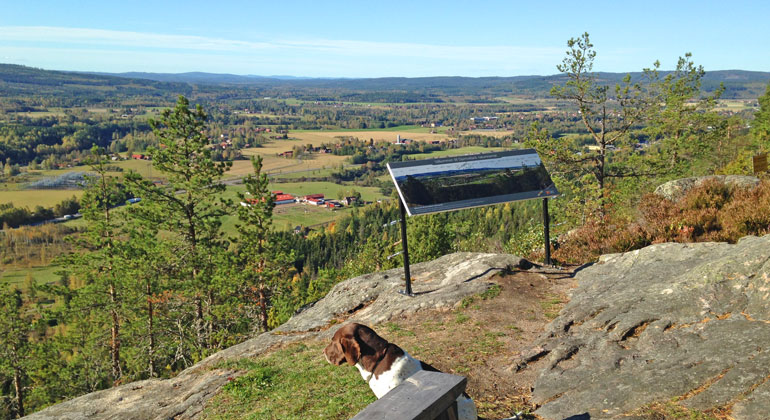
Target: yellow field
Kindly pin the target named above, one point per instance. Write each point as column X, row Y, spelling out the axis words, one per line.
column 735, row 105
column 274, row 164
column 318, row 137
column 32, row 198
column 488, row 133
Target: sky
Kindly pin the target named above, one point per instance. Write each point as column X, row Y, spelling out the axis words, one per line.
column 384, row 38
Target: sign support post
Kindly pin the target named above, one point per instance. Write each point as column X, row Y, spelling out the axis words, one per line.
column 546, row 232
column 407, row 278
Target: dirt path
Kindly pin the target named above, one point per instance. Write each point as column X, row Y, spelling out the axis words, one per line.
column 484, row 336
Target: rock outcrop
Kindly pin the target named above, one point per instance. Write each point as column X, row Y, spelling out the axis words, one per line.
column 675, row 190
column 689, row 322
column 369, row 299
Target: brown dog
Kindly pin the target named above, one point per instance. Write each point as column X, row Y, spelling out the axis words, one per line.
column 383, row 365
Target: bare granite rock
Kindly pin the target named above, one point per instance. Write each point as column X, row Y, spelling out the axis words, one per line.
column 676, row 189
column 684, row 321
column 370, row 299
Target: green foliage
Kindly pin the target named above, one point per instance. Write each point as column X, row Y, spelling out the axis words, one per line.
column 262, row 265
column 188, row 208
column 683, row 123
column 16, row 323
column 527, row 240
column 606, row 115
column 429, row 237
column 100, row 300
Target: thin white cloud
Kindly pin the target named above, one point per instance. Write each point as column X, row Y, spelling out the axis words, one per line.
column 348, row 48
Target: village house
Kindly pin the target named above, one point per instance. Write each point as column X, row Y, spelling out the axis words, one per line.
column 284, row 199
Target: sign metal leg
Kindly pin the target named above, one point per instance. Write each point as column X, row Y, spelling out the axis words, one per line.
column 407, row 278
column 546, row 232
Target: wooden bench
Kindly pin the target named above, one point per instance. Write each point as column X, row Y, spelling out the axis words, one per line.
column 423, row 396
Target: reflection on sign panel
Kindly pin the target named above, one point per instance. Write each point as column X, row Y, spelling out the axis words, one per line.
column 453, row 183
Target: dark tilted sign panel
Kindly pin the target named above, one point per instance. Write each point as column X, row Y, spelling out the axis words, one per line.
column 457, row 182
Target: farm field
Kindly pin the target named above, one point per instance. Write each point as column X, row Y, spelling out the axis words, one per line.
column 17, row 276
column 488, row 133
column 33, row 198
column 310, row 173
column 457, row 152
column 287, row 216
column 736, row 105
column 274, row 164
column 414, row 133
column 328, row 189
column 143, row 167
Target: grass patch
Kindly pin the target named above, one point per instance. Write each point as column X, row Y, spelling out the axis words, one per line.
column 396, row 329
column 292, row 383
column 491, row 293
column 461, row 318
column 551, row 306
column 671, row 410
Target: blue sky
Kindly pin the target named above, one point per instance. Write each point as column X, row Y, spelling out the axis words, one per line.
column 378, row 38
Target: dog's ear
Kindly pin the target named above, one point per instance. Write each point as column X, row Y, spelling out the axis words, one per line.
column 351, row 349
column 334, row 354
column 370, row 339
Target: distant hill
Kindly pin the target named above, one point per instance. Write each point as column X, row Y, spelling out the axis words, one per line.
column 739, row 84
column 66, row 88
column 20, row 80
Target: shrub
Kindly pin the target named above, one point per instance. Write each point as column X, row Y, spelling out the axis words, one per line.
column 710, row 212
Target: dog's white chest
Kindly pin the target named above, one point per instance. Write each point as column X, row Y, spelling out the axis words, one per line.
column 402, row 368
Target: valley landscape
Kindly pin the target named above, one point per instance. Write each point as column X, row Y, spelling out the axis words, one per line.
column 177, row 243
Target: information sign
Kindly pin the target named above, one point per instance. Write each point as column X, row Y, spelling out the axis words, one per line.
column 760, row 163
column 457, row 182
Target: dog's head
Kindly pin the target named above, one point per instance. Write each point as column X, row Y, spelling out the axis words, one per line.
column 353, row 343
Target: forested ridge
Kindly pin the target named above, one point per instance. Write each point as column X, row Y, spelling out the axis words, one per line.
column 149, row 289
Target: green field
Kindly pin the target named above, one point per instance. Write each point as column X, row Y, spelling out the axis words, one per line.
column 328, row 189
column 457, row 152
column 17, row 276
column 32, row 198
column 288, row 216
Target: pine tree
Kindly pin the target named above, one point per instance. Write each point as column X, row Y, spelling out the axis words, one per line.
column 263, row 265
column 188, row 208
column 101, row 299
column 15, row 327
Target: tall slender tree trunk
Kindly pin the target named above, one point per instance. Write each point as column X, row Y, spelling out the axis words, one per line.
column 117, row 372
column 150, row 329
column 19, row 389
column 263, row 306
